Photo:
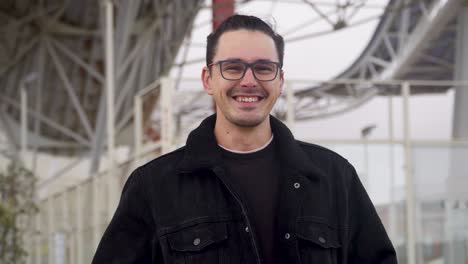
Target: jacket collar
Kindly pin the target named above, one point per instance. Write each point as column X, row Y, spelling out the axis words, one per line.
column 202, row 150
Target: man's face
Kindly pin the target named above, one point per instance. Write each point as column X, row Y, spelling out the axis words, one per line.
column 246, row 102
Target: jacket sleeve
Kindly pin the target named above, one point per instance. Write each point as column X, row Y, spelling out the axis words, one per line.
column 369, row 242
column 128, row 237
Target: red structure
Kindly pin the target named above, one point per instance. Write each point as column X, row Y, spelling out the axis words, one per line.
column 221, row 10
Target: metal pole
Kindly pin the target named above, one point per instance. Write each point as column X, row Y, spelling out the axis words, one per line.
column 24, row 131
column 51, row 229
column 24, row 123
column 166, row 116
column 457, row 181
column 392, row 227
column 79, row 225
column 110, row 73
column 71, row 91
column 96, row 215
column 290, row 115
column 38, row 238
column 137, row 109
column 409, row 184
column 365, row 178
column 38, row 104
column 28, row 239
column 64, row 197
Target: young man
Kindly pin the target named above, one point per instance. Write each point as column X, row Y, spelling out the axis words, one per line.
column 243, row 190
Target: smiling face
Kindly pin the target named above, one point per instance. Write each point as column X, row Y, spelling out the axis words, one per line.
column 245, row 102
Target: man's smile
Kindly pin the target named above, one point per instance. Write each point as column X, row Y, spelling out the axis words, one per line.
column 247, row 99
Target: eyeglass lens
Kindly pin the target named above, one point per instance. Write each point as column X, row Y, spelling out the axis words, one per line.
column 263, row 71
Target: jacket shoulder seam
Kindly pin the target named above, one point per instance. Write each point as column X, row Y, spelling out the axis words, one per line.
column 321, row 148
column 164, row 156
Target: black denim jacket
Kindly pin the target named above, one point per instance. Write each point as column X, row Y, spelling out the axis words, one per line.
column 181, row 208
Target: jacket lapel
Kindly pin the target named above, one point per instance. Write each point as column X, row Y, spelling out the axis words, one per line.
column 201, row 149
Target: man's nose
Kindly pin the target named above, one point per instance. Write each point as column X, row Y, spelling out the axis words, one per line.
column 249, row 78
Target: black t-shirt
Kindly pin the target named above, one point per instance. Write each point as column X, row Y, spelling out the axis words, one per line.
column 255, row 176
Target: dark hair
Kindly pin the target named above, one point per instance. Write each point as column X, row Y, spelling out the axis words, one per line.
column 237, row 22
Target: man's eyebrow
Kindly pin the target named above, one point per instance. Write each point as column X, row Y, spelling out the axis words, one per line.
column 263, row 60
column 240, row 60
column 233, row 59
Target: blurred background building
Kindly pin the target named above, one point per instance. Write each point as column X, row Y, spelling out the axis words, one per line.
column 89, row 90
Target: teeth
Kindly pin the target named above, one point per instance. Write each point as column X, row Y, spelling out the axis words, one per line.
column 247, row 99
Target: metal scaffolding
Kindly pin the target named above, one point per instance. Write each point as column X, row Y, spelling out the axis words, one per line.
column 80, row 78
column 63, row 53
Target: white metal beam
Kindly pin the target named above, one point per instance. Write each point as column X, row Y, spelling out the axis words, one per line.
column 75, row 58
column 425, row 30
column 19, row 56
column 378, row 61
column 389, row 46
column 126, row 16
column 441, row 62
column 409, row 180
column 70, row 90
column 24, row 122
column 404, row 24
column 112, row 184
column 138, row 46
column 66, row 131
column 45, row 183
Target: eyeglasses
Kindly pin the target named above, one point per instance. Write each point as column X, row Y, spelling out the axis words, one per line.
column 234, row 70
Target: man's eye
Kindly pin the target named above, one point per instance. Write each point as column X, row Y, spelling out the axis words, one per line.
column 233, row 68
column 264, row 68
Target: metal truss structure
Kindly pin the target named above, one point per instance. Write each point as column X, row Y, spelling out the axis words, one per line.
column 54, row 51
column 54, row 54
column 414, row 40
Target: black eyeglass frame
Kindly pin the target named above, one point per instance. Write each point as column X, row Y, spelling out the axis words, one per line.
column 247, row 65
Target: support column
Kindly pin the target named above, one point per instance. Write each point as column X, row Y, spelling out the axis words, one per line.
column 167, row 116
column 112, row 179
column 79, row 225
column 24, row 123
column 38, row 234
column 458, row 176
column 69, row 251
column 138, row 127
column 391, row 135
column 460, row 122
column 222, row 9
column 96, row 210
column 409, row 183
column 50, row 230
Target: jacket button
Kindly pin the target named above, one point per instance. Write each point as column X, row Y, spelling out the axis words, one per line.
column 246, row 229
column 322, row 240
column 297, row 185
column 196, row 242
column 287, row 236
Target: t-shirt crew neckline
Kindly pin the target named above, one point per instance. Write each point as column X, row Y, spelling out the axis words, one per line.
column 246, row 154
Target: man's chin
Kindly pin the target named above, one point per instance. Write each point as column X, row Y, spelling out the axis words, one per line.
column 247, row 122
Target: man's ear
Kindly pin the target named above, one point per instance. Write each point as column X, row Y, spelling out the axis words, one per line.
column 281, row 81
column 206, row 80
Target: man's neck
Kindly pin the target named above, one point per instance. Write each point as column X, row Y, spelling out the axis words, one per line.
column 242, row 138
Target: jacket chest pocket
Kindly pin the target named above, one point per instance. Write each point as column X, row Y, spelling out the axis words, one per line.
column 201, row 243
column 318, row 243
